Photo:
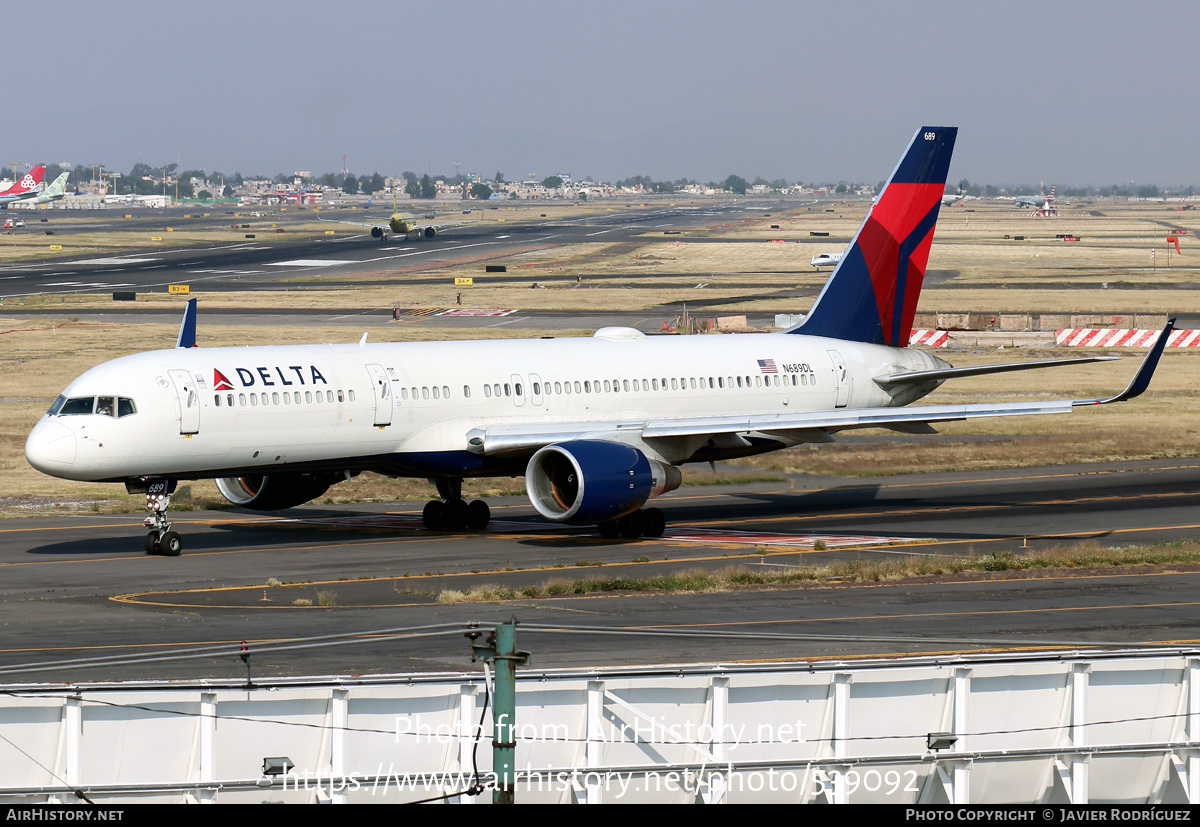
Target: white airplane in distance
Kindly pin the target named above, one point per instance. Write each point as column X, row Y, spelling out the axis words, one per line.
column 1040, row 202
column 24, row 189
column 598, row 426
column 825, row 259
column 951, row 198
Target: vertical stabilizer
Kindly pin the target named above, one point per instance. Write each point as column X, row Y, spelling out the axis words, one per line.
column 27, row 182
column 187, row 328
column 872, row 294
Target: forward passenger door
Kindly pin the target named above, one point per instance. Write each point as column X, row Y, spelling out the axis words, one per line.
column 187, row 401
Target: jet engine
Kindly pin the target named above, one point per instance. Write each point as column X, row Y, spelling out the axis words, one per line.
column 276, row 491
column 430, row 232
column 377, row 232
column 587, row 481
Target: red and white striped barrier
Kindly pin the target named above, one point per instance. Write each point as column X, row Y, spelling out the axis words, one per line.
column 929, row 338
column 1096, row 337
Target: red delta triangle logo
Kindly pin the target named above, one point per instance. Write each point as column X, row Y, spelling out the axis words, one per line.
column 220, row 383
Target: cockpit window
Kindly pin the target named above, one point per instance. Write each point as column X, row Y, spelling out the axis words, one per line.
column 78, row 405
column 101, row 406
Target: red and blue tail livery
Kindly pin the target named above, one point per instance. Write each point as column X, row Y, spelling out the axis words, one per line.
column 872, row 294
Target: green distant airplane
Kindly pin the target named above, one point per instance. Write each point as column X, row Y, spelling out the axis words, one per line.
column 55, row 192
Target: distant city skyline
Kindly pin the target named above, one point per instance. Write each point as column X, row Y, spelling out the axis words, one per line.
column 1073, row 93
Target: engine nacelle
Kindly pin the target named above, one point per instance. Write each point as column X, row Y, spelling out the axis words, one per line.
column 377, row 232
column 430, row 232
column 588, row 481
column 275, row 491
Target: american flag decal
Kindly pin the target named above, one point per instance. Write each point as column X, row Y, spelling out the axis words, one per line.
column 767, row 366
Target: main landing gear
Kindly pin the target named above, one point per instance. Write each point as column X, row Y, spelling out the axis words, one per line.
column 161, row 539
column 648, row 522
column 452, row 513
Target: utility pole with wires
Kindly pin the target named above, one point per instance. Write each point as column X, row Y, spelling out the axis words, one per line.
column 499, row 647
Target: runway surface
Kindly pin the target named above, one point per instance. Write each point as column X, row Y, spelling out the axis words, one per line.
column 261, row 263
column 81, row 586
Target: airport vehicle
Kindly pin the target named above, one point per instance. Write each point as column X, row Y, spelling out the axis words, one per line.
column 825, row 259
column 14, row 224
column 25, row 188
column 597, row 425
column 55, row 192
column 1040, row 202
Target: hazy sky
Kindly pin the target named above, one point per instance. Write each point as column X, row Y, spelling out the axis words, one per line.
column 1072, row 92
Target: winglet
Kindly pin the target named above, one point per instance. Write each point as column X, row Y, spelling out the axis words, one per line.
column 1141, row 379
column 187, row 328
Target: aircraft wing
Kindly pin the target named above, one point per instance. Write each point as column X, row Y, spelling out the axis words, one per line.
column 499, row 439
column 941, row 374
column 383, row 222
column 804, row 426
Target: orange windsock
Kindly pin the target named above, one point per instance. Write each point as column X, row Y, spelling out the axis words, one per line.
column 1174, row 239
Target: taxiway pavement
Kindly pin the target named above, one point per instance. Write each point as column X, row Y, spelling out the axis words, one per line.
column 80, row 587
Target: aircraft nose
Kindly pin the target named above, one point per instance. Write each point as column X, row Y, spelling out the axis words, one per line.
column 50, row 447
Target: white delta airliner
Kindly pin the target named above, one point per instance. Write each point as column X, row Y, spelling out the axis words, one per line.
column 598, row 426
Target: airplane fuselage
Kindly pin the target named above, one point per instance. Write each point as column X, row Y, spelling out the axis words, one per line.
column 402, row 224
column 413, row 409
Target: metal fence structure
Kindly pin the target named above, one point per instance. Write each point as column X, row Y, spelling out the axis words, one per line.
column 1060, row 727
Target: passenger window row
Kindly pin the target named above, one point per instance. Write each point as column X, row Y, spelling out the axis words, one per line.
column 577, row 386
column 428, row 392
column 285, row 398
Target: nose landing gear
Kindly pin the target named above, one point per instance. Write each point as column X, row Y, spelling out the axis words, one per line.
column 161, row 539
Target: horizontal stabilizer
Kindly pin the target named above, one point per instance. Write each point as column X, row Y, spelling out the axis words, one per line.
column 942, row 374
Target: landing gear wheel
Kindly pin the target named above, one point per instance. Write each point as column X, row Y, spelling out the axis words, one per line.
column 170, row 544
column 434, row 515
column 158, row 500
column 609, row 529
column 455, row 515
column 654, row 522
column 632, row 525
column 478, row 515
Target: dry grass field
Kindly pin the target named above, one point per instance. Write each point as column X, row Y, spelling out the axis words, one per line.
column 40, row 355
